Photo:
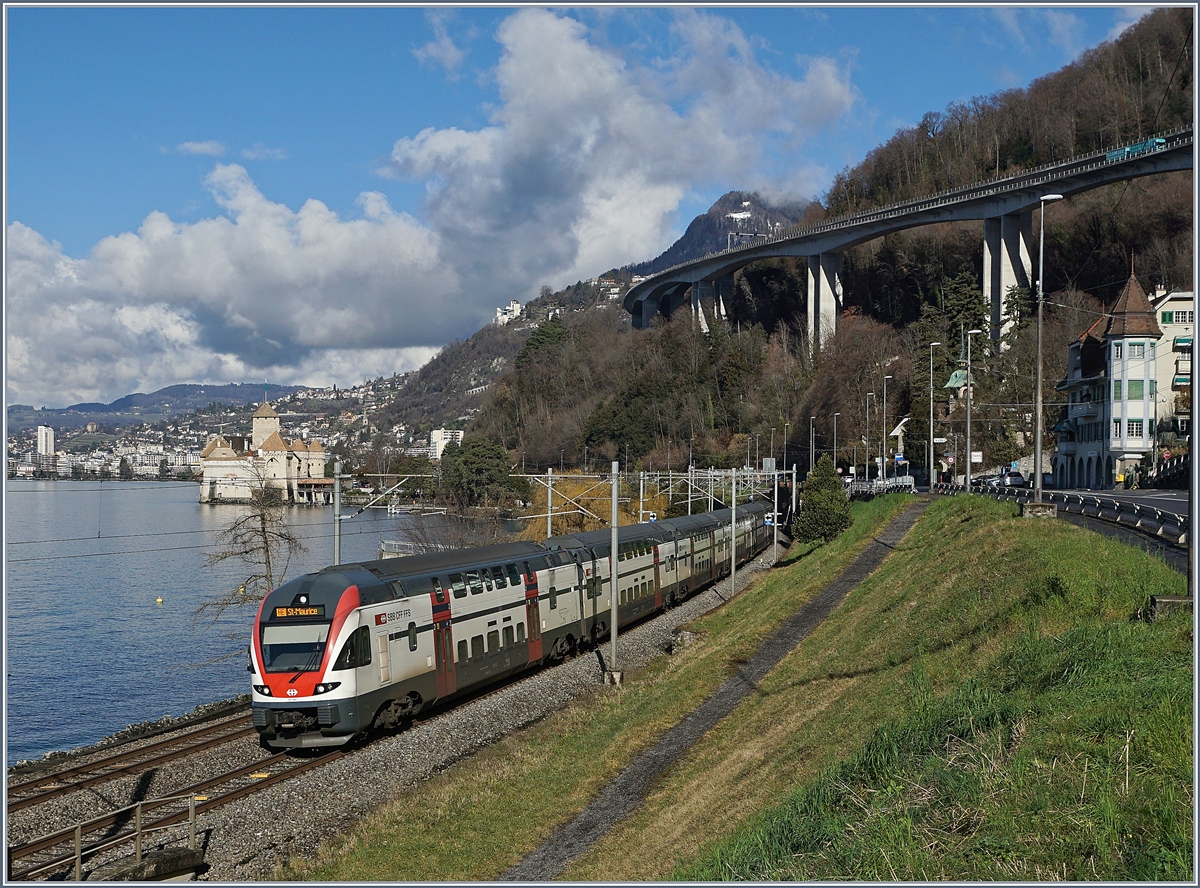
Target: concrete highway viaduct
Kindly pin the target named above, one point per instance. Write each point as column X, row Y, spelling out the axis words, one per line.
column 1004, row 204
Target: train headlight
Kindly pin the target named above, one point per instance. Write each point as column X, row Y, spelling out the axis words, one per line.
column 326, row 687
column 263, row 689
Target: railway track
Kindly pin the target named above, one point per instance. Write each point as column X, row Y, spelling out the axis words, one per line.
column 56, row 852
column 28, row 793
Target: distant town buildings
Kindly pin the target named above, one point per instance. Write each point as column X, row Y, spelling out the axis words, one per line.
column 508, row 313
column 231, row 470
column 439, row 438
column 47, row 463
column 1128, row 388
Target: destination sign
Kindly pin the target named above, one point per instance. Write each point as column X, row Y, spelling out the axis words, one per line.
column 312, row 610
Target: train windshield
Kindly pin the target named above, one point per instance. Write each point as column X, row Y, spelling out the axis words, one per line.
column 295, row 647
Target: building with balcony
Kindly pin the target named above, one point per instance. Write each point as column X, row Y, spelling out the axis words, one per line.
column 1128, row 388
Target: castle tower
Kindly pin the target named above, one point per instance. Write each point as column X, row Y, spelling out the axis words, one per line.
column 264, row 424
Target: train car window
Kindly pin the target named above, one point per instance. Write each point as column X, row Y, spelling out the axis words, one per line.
column 486, row 574
column 514, row 578
column 493, row 641
column 462, row 651
column 473, row 582
column 398, row 589
column 553, row 598
column 528, row 572
column 520, row 633
column 476, row 647
column 438, row 591
column 498, row 577
column 508, row 636
column 412, row 636
column 356, row 651
column 460, row 588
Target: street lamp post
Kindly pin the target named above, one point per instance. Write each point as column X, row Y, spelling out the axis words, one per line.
column 1037, row 398
column 932, row 345
column 786, row 426
column 970, row 333
column 883, row 456
column 812, row 444
column 867, row 441
column 835, row 416
column 772, row 444
column 757, row 461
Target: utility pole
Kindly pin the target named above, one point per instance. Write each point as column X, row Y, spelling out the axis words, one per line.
column 549, row 502
column 337, row 512
column 775, row 514
column 1037, row 401
column 733, row 535
column 932, row 345
column 614, row 675
column 970, row 333
column 883, row 461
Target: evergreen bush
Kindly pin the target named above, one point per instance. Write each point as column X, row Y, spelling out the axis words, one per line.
column 824, row 508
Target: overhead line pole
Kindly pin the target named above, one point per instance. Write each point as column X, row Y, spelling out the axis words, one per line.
column 614, row 675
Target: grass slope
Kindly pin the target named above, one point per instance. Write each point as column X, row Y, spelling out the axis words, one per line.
column 1044, row 731
column 971, row 711
column 485, row 813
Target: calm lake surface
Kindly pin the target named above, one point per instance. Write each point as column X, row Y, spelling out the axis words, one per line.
column 87, row 649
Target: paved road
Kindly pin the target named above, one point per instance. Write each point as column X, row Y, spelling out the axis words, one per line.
column 1176, row 501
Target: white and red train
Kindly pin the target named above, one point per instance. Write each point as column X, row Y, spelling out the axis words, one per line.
column 355, row 646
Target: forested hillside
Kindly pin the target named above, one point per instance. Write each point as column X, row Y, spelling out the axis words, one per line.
column 656, row 393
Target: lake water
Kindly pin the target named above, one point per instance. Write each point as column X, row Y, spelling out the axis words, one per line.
column 87, row 648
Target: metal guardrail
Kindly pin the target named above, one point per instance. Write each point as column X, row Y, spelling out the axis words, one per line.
column 121, row 838
column 1148, row 519
column 903, row 484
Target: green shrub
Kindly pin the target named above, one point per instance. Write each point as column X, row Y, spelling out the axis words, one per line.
column 824, row 509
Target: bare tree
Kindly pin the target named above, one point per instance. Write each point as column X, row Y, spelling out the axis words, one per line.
column 261, row 541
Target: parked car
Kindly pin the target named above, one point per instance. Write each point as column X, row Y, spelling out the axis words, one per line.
column 1012, row 479
column 1047, row 481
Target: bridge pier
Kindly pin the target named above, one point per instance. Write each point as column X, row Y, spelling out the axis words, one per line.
column 1006, row 263
column 711, row 292
column 824, row 297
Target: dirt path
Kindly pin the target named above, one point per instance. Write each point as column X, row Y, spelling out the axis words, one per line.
column 626, row 791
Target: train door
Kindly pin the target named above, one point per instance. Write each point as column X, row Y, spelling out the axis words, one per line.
column 581, row 584
column 533, row 615
column 443, row 641
column 657, row 582
column 385, row 669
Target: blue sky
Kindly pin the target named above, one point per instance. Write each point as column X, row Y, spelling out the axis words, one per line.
column 320, row 195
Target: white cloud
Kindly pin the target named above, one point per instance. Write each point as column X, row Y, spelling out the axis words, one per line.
column 1126, row 17
column 210, row 148
column 1065, row 31
column 441, row 50
column 588, row 155
column 301, row 296
column 259, row 151
column 583, row 167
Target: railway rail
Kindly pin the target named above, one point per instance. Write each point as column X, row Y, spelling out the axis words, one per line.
column 60, row 851
column 28, row 793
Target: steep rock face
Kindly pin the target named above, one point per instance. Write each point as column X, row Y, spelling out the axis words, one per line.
column 733, row 219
